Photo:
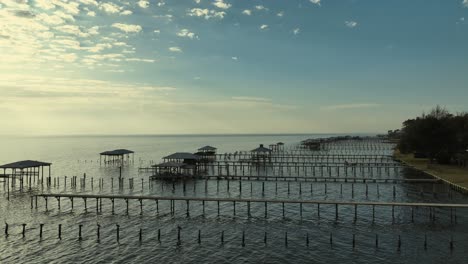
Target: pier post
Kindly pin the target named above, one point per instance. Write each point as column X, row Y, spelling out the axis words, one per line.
column 40, row 230
column 118, row 232
column 79, row 232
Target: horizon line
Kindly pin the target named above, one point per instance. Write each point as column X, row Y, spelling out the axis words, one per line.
column 190, row 134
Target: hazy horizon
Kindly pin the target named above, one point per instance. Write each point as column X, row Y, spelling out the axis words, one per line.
column 228, row 67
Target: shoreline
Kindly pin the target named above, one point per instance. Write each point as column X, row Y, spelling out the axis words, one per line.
column 456, row 177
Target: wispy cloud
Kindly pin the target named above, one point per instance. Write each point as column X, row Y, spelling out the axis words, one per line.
column 247, row 12
column 261, row 7
column 296, row 31
column 185, row 33
column 465, row 3
column 206, row 13
column 350, row 106
column 110, row 8
column 251, row 99
column 175, row 49
column 127, row 28
column 221, row 4
column 316, row 2
column 351, row 24
column 264, row 27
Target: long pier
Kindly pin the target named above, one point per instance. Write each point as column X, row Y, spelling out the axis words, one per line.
column 251, row 200
column 302, row 178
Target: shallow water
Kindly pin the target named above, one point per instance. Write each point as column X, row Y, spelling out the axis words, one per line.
column 78, row 155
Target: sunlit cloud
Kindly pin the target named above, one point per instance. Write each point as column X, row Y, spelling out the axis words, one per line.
column 143, row 3
column 185, row 33
column 264, row 27
column 350, row 106
column 110, row 8
column 296, row 31
column 351, row 24
column 175, row 49
column 247, row 12
column 221, row 4
column 316, row 2
column 127, row 28
column 206, row 13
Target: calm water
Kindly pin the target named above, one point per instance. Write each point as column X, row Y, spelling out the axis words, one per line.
column 73, row 156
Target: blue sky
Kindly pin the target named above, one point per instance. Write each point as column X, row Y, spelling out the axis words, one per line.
column 305, row 66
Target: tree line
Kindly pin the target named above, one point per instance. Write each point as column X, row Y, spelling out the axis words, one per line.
column 438, row 135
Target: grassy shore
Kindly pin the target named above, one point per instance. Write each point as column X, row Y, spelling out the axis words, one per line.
column 450, row 173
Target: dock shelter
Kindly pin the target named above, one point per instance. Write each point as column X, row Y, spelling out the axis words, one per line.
column 178, row 164
column 117, row 156
column 207, row 153
column 25, row 168
column 277, row 147
column 29, row 169
column 261, row 154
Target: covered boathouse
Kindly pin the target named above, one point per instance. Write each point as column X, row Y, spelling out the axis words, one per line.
column 177, row 165
column 117, row 157
column 261, row 154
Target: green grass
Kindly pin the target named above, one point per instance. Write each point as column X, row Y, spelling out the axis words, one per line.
column 450, row 173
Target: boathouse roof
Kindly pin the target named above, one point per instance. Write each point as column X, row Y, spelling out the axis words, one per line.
column 182, row 156
column 117, row 152
column 261, row 148
column 207, row 148
column 24, row 164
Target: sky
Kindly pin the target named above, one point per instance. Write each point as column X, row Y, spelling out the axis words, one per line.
column 225, row 66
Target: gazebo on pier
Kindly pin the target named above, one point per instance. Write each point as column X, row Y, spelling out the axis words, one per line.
column 261, row 154
column 117, row 157
column 25, row 168
column 179, row 164
column 277, row 147
column 207, row 153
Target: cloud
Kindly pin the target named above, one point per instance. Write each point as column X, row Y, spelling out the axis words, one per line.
column 221, row 4
column 264, row 27
column 110, row 8
column 198, row 1
column 127, row 28
column 465, row 3
column 351, row 24
column 206, row 13
column 88, row 2
column 143, row 3
column 185, row 33
column 247, row 12
column 296, row 31
column 175, row 49
column 91, row 13
column 234, row 58
column 280, row 14
column 349, row 106
column 140, row 60
column 316, row 2
column 126, row 13
column 250, row 99
column 261, row 7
